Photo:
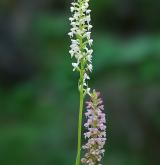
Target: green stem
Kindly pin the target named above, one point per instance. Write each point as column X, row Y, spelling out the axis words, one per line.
column 80, row 127
column 81, row 92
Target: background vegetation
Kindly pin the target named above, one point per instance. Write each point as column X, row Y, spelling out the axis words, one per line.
column 38, row 90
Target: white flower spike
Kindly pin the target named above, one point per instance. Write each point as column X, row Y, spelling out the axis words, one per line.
column 81, row 41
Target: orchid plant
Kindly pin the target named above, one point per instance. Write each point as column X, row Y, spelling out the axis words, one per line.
column 81, row 53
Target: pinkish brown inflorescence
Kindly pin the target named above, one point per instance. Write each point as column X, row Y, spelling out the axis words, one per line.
column 96, row 131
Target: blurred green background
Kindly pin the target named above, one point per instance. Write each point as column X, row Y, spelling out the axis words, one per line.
column 38, row 90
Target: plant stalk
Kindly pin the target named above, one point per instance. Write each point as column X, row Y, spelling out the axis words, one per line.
column 78, row 159
column 81, row 93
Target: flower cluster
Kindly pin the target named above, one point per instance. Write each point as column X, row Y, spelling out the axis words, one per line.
column 81, row 41
column 96, row 131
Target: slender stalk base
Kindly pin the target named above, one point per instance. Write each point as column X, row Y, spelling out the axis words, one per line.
column 80, row 127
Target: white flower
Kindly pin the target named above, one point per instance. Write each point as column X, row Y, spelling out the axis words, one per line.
column 90, row 42
column 88, row 91
column 86, row 76
column 88, row 11
column 90, row 68
column 78, row 56
column 88, row 18
column 71, row 19
column 71, row 53
column 90, row 27
column 87, row 35
column 71, row 34
column 75, row 66
column 72, row 8
column 89, row 52
column 89, row 58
